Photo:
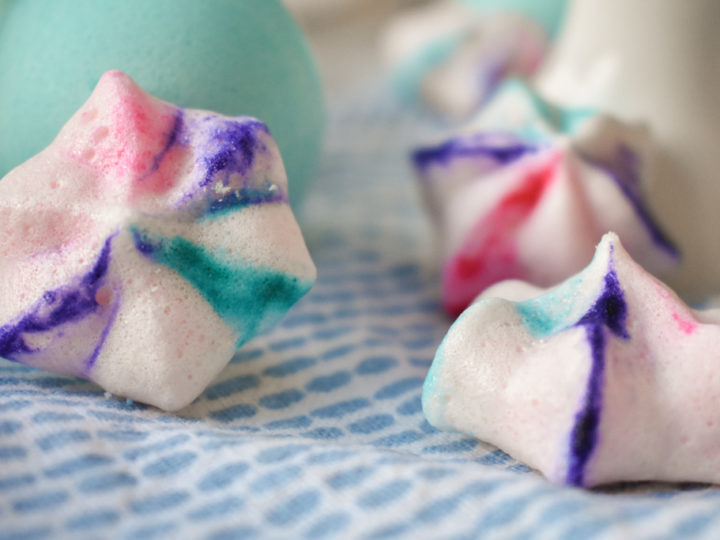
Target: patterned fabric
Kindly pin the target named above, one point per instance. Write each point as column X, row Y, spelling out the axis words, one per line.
column 314, row 430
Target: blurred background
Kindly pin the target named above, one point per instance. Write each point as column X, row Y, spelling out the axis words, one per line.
column 345, row 35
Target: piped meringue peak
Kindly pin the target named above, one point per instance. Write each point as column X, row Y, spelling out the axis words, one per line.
column 530, row 189
column 146, row 244
column 608, row 377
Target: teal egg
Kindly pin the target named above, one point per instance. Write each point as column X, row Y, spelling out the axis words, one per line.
column 4, row 4
column 236, row 57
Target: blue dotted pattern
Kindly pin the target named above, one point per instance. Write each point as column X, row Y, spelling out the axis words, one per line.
column 314, row 430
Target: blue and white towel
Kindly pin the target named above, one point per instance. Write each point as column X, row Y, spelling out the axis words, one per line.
column 314, row 430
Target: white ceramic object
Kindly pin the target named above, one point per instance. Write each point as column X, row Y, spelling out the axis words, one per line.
column 656, row 61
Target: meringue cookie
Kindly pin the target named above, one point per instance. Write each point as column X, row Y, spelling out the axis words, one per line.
column 145, row 245
column 453, row 57
column 530, row 190
column 607, row 377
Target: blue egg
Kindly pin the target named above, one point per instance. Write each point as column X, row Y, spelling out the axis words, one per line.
column 236, row 57
column 4, row 4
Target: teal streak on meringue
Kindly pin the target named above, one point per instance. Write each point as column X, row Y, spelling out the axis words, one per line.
column 564, row 305
column 553, row 311
column 242, row 198
column 566, row 121
column 408, row 77
column 547, row 13
column 433, row 404
column 433, row 398
column 249, row 297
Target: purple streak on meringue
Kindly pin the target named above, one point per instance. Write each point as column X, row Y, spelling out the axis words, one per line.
column 172, row 139
column 90, row 362
column 624, row 172
column 67, row 304
column 501, row 148
column 609, row 311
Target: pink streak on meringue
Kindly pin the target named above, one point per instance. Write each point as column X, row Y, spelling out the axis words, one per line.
column 489, row 253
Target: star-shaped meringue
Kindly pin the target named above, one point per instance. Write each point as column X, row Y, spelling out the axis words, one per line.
column 608, row 377
column 529, row 190
column 146, row 244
